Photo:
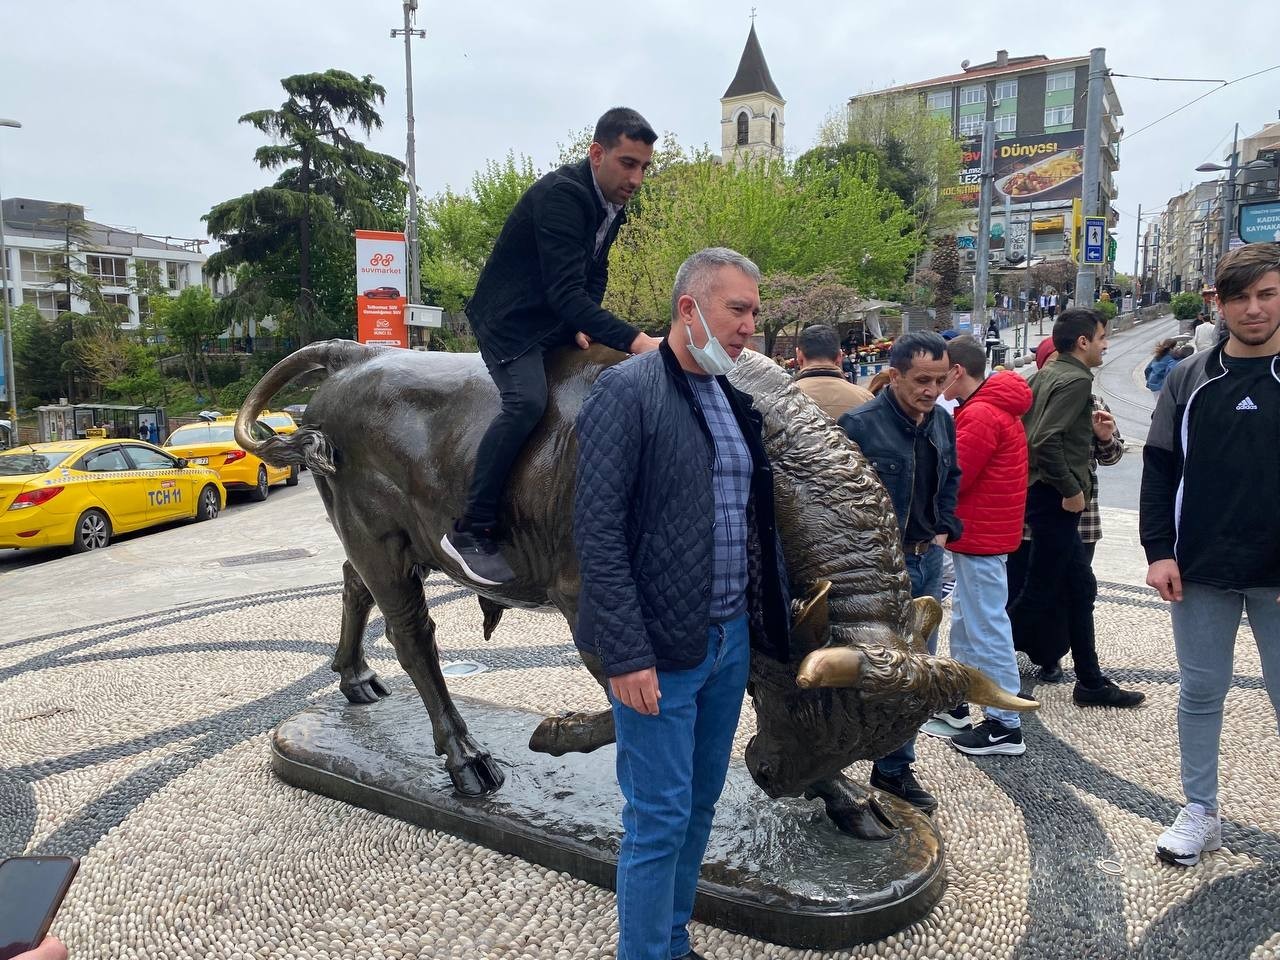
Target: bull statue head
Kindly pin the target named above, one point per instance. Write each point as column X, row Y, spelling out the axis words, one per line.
column 861, row 680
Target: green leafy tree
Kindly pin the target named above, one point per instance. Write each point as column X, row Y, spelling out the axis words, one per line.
column 1186, row 306
column 190, row 320
column 788, row 300
column 329, row 184
column 37, row 356
column 459, row 229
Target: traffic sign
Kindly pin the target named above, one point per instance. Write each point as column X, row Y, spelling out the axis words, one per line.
column 1260, row 222
column 1111, row 249
column 1095, row 233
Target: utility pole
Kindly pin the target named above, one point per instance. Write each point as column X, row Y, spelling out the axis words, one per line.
column 1092, row 165
column 1229, row 195
column 411, row 229
column 984, row 230
column 1137, row 242
column 11, row 385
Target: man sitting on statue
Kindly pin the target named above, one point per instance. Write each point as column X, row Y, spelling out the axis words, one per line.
column 541, row 288
column 682, row 575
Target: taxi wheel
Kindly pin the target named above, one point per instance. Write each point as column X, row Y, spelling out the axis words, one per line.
column 259, row 493
column 210, row 502
column 93, row 531
column 292, row 480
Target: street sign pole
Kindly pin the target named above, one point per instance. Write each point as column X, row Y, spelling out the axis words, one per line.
column 984, row 229
column 1092, row 174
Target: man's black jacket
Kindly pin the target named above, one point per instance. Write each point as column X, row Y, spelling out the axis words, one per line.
column 544, row 279
column 887, row 436
column 643, row 510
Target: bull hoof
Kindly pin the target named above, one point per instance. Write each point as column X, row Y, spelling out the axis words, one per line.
column 362, row 687
column 864, row 818
column 572, row 733
column 478, row 776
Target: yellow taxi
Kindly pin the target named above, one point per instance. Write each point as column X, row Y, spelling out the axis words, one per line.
column 213, row 443
column 81, row 493
column 279, row 421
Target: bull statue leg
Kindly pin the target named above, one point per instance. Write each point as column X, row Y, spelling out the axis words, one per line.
column 358, row 683
column 396, row 586
column 852, row 808
column 577, row 731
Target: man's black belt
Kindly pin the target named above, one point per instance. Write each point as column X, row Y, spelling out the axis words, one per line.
column 917, row 548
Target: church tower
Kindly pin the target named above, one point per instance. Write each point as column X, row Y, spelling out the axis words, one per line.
column 751, row 110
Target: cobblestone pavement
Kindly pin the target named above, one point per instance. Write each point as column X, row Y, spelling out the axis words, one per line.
column 138, row 690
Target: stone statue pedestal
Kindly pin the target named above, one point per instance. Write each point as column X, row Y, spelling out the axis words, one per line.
column 776, row 870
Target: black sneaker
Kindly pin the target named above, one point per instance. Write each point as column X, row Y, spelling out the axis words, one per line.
column 907, row 787
column 1052, row 673
column 991, row 736
column 1106, row 695
column 478, row 556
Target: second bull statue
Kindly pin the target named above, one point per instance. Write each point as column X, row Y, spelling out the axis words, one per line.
column 391, row 437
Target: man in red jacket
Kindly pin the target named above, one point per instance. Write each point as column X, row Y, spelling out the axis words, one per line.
column 991, row 447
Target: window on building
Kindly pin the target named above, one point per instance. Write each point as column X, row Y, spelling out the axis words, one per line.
column 41, row 269
column 150, row 273
column 1066, row 80
column 118, row 300
column 743, row 131
column 1058, row 116
column 971, row 125
column 976, row 94
column 1007, row 123
column 108, row 271
column 51, row 304
column 773, row 129
column 144, row 308
column 177, row 276
column 941, row 100
column 1006, row 90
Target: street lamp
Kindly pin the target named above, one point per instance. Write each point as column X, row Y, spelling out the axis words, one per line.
column 11, row 384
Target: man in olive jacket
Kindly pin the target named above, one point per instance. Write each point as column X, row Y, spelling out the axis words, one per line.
column 541, row 288
column 1059, row 590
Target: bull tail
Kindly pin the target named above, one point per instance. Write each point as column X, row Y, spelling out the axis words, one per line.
column 307, row 446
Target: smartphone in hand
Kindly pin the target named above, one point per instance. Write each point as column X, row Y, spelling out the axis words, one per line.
column 31, row 890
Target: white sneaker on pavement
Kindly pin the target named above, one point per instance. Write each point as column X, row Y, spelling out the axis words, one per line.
column 1193, row 832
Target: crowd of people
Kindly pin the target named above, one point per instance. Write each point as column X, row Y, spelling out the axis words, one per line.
column 682, row 571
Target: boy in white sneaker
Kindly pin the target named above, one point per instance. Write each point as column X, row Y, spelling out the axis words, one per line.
column 1210, row 529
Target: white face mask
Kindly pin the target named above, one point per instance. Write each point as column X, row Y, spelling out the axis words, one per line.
column 712, row 358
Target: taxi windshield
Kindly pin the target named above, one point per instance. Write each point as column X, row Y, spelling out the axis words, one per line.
column 278, row 420
column 15, row 463
column 201, row 433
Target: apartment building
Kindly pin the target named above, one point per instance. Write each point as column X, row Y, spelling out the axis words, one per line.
column 1038, row 106
column 42, row 236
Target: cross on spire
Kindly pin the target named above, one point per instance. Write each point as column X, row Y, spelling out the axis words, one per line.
column 753, row 16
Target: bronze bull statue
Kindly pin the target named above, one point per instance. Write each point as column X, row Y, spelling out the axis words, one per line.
column 391, row 437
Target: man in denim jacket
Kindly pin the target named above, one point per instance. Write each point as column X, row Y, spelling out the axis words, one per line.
column 912, row 445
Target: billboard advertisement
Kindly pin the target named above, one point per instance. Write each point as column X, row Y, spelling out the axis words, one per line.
column 381, row 288
column 1031, row 169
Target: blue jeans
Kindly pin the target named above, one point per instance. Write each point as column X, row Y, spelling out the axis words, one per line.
column 671, row 768
column 1205, row 623
column 980, row 632
column 925, row 572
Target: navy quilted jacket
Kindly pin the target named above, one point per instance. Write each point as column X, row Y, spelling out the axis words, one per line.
column 642, row 515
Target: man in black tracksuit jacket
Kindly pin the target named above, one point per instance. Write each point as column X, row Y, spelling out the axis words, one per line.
column 541, row 288
column 1210, row 527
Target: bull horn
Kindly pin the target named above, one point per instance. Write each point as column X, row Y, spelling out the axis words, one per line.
column 812, row 623
column 983, row 690
column 927, row 616
column 831, row 667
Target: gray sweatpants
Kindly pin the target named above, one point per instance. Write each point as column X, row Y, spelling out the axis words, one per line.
column 1205, row 623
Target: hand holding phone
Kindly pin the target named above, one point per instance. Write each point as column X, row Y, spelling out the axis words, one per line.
column 31, row 890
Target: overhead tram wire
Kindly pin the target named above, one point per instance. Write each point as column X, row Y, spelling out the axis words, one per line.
column 1223, row 86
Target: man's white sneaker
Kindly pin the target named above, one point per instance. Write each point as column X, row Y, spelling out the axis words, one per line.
column 949, row 723
column 1193, row 832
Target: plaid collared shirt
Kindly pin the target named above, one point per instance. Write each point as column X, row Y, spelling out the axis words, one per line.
column 1099, row 453
column 732, row 483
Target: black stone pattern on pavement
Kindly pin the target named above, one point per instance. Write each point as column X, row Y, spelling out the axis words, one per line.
column 1074, row 909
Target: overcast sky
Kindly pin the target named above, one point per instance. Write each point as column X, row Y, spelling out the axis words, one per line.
column 130, row 107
